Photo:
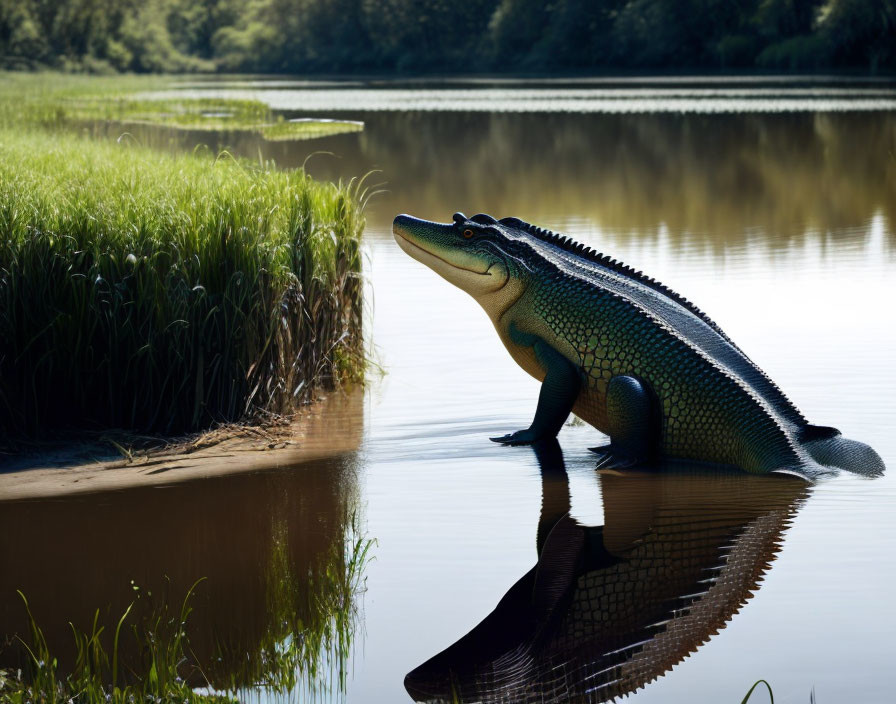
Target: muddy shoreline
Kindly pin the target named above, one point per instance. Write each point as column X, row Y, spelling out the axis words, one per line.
column 327, row 428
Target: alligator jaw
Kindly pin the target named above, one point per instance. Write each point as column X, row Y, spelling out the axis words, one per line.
column 433, row 261
column 420, row 240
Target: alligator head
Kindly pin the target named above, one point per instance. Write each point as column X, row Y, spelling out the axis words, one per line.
column 480, row 255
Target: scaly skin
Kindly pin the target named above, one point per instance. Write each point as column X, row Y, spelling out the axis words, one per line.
column 706, row 413
column 632, row 358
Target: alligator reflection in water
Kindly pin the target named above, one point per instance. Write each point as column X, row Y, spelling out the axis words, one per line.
column 274, row 549
column 608, row 609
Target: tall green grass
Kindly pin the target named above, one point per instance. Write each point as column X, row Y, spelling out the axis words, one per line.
column 162, row 292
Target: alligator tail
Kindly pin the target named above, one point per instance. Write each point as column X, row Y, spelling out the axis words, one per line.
column 830, row 449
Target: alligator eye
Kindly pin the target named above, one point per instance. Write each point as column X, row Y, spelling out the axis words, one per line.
column 468, row 234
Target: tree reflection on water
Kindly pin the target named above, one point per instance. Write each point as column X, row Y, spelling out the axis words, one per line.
column 723, row 179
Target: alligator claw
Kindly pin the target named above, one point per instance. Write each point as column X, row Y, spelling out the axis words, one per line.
column 609, row 457
column 520, row 437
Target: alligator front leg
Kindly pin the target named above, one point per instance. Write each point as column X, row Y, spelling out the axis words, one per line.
column 559, row 391
column 630, row 414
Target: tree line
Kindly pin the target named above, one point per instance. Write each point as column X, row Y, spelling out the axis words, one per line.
column 414, row 36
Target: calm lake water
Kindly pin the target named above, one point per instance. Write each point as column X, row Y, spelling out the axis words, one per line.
column 770, row 204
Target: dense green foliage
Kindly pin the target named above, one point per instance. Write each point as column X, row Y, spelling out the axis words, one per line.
column 294, row 36
column 149, row 291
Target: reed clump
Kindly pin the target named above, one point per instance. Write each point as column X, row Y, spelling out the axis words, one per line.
column 164, row 293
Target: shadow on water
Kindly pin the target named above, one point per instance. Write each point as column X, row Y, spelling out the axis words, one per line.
column 729, row 178
column 608, row 609
column 278, row 553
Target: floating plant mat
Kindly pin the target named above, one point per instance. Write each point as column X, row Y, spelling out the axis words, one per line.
column 206, row 114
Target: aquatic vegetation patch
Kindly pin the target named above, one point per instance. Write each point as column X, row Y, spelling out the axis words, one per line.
column 145, row 655
column 164, row 293
column 308, row 128
column 97, row 675
column 205, row 114
column 51, row 100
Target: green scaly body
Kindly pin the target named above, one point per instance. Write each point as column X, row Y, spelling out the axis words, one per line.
column 707, row 413
column 626, row 354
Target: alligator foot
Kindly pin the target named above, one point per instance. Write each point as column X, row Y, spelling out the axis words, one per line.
column 558, row 393
column 520, row 437
column 629, row 423
column 612, row 457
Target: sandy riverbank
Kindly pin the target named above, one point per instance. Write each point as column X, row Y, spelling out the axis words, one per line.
column 330, row 427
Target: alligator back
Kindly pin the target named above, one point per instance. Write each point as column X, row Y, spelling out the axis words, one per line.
column 707, row 410
column 668, row 308
column 714, row 404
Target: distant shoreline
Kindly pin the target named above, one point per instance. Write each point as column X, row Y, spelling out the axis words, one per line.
column 852, row 74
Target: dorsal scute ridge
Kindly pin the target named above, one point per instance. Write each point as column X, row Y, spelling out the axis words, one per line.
column 703, row 364
column 576, row 248
column 573, row 247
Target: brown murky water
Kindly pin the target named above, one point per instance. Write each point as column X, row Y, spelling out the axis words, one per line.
column 771, row 206
column 259, row 543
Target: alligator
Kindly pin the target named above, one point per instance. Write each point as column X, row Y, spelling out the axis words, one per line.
column 625, row 353
column 607, row 609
